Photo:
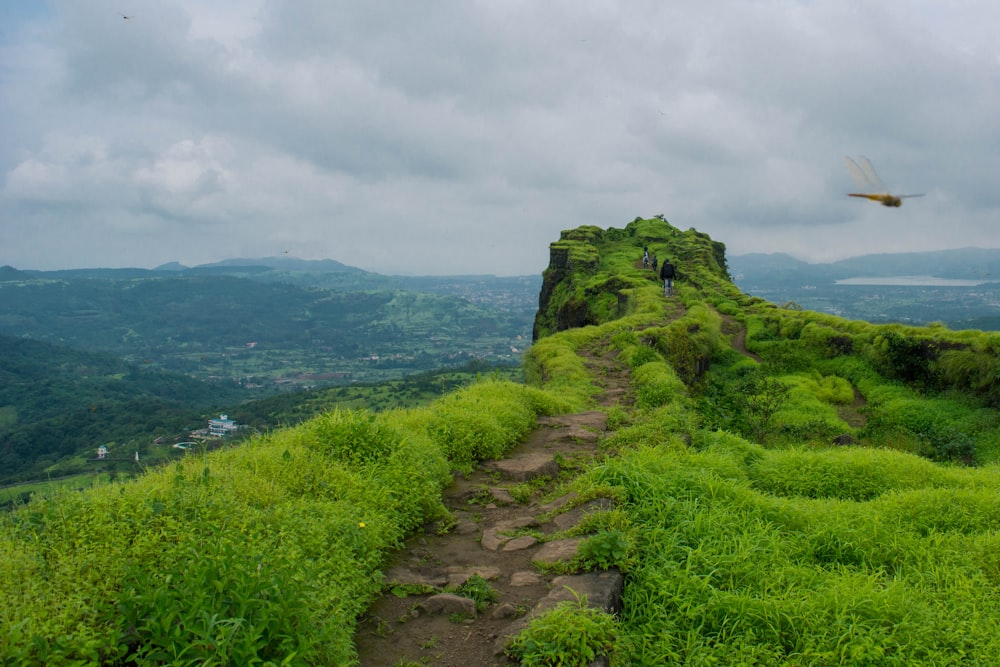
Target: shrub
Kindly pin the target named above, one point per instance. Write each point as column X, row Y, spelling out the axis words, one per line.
column 637, row 355
column 657, row 385
column 977, row 369
column 946, row 443
column 482, row 421
column 906, row 358
column 571, row 635
column 848, row 474
column 605, row 550
column 356, row 437
column 833, row 389
column 478, row 590
column 826, row 340
column 729, row 308
column 760, row 397
column 218, row 603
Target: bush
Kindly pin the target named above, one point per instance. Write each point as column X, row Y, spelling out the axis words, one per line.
column 356, row 437
column 218, row 603
column 833, row 389
column 847, row 474
column 605, row 550
column 571, row 635
column 482, row 421
column 657, row 385
column 906, row 358
column 760, row 397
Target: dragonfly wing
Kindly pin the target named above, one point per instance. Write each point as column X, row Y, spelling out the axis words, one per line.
column 857, row 175
column 864, row 175
column 873, row 180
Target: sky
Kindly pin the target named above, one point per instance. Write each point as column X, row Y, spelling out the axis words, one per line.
column 462, row 136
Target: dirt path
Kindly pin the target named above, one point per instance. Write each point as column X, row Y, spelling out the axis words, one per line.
column 502, row 532
column 731, row 326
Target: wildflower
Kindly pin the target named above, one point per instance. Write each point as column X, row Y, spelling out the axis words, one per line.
column 361, row 524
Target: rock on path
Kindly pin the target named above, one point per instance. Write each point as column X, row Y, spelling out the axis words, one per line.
column 422, row 618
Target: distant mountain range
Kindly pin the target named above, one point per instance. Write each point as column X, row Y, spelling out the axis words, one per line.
column 962, row 263
column 285, row 263
column 322, row 273
column 753, row 271
column 957, row 287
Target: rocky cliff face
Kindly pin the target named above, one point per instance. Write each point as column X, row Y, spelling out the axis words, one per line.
column 571, row 258
column 592, row 271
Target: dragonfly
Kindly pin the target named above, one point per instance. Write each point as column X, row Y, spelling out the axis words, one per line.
column 867, row 179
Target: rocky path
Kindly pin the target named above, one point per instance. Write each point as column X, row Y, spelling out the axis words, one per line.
column 508, row 527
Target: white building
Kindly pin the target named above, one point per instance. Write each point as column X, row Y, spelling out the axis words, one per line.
column 222, row 426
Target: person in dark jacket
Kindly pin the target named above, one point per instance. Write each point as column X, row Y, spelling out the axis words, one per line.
column 667, row 274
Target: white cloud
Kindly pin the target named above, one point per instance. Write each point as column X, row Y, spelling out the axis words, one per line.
column 463, row 137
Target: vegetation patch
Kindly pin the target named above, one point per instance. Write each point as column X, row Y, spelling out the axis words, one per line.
column 571, row 635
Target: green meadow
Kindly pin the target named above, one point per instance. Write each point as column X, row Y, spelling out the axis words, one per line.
column 746, row 535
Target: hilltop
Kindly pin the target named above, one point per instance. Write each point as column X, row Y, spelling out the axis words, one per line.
column 776, row 487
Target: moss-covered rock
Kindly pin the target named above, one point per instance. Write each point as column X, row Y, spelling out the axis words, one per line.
column 592, row 272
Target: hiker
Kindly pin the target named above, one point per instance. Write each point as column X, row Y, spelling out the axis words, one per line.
column 654, row 263
column 645, row 258
column 667, row 273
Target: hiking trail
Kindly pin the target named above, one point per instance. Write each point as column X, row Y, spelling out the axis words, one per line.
column 505, row 531
column 494, row 536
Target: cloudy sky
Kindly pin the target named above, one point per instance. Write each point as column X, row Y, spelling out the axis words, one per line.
column 461, row 136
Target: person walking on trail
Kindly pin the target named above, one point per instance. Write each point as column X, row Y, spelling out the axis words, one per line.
column 655, row 263
column 645, row 258
column 667, row 274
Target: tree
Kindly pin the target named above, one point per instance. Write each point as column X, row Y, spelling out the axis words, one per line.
column 760, row 397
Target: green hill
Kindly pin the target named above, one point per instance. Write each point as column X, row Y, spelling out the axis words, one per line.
column 788, row 488
column 58, row 404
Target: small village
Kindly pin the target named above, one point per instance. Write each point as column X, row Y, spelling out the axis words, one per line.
column 210, row 437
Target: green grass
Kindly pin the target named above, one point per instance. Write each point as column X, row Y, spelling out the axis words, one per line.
column 755, row 560
column 15, row 492
column 264, row 552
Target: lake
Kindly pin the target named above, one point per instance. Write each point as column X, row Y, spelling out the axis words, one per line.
column 912, row 281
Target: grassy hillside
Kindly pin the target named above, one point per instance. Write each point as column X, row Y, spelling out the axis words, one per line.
column 58, row 404
column 748, row 536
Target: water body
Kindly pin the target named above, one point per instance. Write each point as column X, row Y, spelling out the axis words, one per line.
column 912, row 281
